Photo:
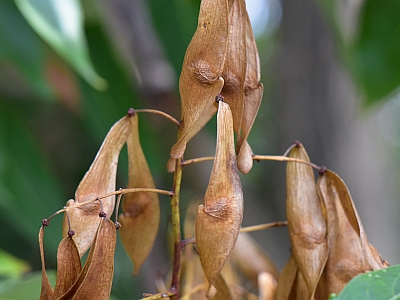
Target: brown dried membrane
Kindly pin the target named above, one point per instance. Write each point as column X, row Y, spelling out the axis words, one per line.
column 218, row 220
column 200, row 81
column 306, row 223
column 141, row 215
column 344, row 232
column 98, row 181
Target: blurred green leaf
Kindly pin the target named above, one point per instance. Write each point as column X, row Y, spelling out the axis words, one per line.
column 375, row 58
column 27, row 287
column 28, row 190
column 60, row 23
column 21, row 47
column 381, row 284
column 11, row 266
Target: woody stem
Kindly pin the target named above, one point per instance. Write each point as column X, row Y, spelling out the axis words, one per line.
column 176, row 228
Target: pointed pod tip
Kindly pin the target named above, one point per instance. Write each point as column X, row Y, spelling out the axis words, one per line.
column 212, row 291
column 45, row 222
column 297, row 143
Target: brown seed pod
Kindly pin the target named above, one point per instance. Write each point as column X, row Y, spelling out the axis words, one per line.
column 218, row 220
column 345, row 231
column 253, row 92
column 306, row 223
column 47, row 292
column 200, row 79
column 141, row 215
column 95, row 279
column 98, row 181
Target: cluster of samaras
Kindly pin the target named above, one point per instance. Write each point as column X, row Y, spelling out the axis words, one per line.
column 220, row 74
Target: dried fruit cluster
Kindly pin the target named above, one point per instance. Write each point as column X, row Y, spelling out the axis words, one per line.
column 220, row 74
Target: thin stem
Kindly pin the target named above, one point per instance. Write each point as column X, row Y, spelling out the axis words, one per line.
column 176, row 228
column 158, row 296
column 196, row 160
column 284, row 158
column 119, row 192
column 256, row 158
column 263, row 226
column 161, row 113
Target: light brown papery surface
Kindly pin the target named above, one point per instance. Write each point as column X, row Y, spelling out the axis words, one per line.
column 98, row 181
column 218, row 220
column 141, row 215
column 200, row 81
column 306, row 224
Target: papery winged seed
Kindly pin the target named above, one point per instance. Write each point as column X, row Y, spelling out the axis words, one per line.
column 306, row 224
column 98, row 181
column 200, row 81
column 141, row 215
column 218, row 220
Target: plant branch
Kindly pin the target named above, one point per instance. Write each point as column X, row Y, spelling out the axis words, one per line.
column 159, row 112
column 256, row 158
column 263, row 226
column 176, row 228
column 119, row 192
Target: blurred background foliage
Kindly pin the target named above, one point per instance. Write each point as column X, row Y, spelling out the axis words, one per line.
column 70, row 69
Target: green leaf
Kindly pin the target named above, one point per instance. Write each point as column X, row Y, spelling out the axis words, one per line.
column 60, row 24
column 381, row 284
column 375, row 57
column 11, row 266
column 21, row 47
column 27, row 287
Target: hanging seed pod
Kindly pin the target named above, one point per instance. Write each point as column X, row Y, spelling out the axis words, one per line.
column 200, row 81
column 47, row 292
column 218, row 220
column 286, row 283
column 253, row 92
column 251, row 259
column 345, row 230
column 68, row 266
column 141, row 215
column 98, row 181
column 266, row 286
column 95, row 279
column 234, row 71
column 306, row 224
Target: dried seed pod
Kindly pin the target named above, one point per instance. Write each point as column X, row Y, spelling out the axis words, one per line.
column 223, row 292
column 306, row 224
column 98, row 181
column 95, row 279
column 251, row 259
column 345, row 230
column 141, row 215
column 47, row 292
column 234, row 71
column 218, row 220
column 253, row 92
column 341, row 266
column 68, row 266
column 286, row 283
column 200, row 81
column 266, row 286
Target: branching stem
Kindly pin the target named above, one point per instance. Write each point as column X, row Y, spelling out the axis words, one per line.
column 119, row 192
